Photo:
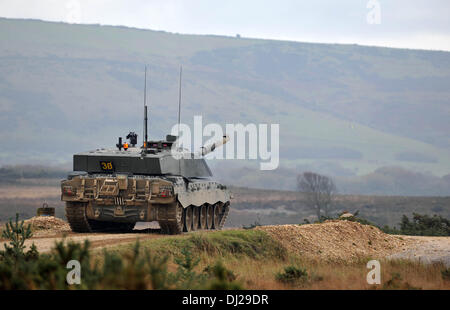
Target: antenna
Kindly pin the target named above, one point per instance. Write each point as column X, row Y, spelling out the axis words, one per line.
column 145, row 110
column 179, row 116
column 179, row 102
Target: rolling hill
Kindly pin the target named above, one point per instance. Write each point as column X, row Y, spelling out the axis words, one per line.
column 67, row 88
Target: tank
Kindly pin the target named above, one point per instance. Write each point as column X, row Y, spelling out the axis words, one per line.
column 113, row 189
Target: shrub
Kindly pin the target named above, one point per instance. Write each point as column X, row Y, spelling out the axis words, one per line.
column 221, row 278
column 186, row 277
column 396, row 282
column 446, row 274
column 255, row 224
column 292, row 275
column 17, row 233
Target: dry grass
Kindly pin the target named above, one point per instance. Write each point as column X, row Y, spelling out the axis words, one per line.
column 256, row 267
column 395, row 274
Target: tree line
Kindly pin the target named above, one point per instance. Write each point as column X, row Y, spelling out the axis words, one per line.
column 320, row 192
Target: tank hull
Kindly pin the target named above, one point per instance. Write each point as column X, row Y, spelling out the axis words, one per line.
column 116, row 202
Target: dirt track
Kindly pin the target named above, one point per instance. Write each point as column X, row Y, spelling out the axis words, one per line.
column 48, row 230
column 100, row 240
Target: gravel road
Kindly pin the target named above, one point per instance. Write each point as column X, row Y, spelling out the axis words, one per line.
column 427, row 250
column 100, row 240
column 45, row 241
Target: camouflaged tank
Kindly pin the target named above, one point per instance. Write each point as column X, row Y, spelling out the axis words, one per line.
column 112, row 189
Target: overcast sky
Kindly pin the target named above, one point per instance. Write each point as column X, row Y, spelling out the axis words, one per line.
column 423, row 24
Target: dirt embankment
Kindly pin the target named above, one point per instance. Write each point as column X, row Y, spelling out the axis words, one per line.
column 343, row 241
column 347, row 241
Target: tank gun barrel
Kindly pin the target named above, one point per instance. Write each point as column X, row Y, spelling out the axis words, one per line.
column 210, row 148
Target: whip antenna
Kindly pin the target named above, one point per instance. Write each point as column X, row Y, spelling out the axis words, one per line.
column 179, row 116
column 179, row 102
column 145, row 110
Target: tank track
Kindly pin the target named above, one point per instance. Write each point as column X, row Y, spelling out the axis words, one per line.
column 224, row 215
column 171, row 219
column 78, row 222
column 76, row 216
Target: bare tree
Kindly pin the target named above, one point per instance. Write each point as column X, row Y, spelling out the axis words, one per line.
column 319, row 191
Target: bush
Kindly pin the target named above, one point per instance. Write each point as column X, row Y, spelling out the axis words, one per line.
column 17, row 233
column 186, row 275
column 221, row 278
column 446, row 274
column 292, row 275
column 397, row 283
column 255, row 224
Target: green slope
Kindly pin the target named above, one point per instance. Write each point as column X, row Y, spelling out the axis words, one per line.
column 66, row 88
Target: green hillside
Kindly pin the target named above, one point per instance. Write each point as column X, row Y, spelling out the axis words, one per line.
column 68, row 88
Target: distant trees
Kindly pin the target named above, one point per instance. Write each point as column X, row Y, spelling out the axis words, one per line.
column 421, row 225
column 319, row 190
column 8, row 173
column 424, row 225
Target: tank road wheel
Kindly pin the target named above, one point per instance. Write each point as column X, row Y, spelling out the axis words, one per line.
column 188, row 217
column 195, row 217
column 210, row 217
column 217, row 212
column 203, row 215
column 171, row 219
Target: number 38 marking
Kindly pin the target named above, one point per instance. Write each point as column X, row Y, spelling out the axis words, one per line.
column 106, row 165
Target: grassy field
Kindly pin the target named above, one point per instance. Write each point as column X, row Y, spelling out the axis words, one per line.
column 256, row 259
